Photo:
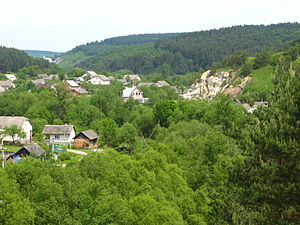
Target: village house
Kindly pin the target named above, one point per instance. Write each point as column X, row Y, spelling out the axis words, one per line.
column 34, row 150
column 59, row 134
column 132, row 78
column 86, row 139
column 99, row 80
column 162, row 83
column 11, row 77
column 6, row 84
column 75, row 89
column 20, row 122
column 145, row 84
column 48, row 77
column 134, row 93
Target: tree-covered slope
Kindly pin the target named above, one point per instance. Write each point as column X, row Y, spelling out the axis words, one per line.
column 11, row 60
column 182, row 52
column 111, row 46
column 40, row 54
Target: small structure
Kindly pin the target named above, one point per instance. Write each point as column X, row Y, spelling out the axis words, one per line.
column 20, row 122
column 134, row 93
column 78, row 91
column 250, row 109
column 99, row 80
column 34, row 150
column 48, row 77
column 6, row 84
column 11, row 77
column 72, row 84
column 145, row 84
column 59, row 134
column 162, row 83
column 86, row 139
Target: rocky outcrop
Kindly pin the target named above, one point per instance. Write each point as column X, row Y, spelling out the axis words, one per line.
column 210, row 84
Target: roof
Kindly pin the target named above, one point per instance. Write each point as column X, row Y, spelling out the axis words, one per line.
column 103, row 77
column 10, row 76
column 145, row 84
column 57, row 129
column 162, row 83
column 90, row 134
column 261, row 103
column 80, row 90
column 132, row 77
column 38, row 81
column 6, row 121
column 34, row 149
column 6, row 83
column 72, row 83
column 91, row 73
column 127, row 91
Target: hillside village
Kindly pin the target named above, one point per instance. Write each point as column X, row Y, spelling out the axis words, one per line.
column 154, row 129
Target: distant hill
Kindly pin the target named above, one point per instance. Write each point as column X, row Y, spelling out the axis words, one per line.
column 116, row 47
column 40, row 54
column 11, row 60
column 178, row 53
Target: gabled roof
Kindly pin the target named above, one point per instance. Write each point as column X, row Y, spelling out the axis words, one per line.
column 80, row 90
column 128, row 91
column 72, row 83
column 6, row 83
column 162, row 83
column 35, row 149
column 132, row 77
column 103, row 77
column 6, row 121
column 145, row 84
column 57, row 129
column 90, row 134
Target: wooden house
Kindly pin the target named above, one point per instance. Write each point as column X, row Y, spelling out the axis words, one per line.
column 34, row 150
column 86, row 139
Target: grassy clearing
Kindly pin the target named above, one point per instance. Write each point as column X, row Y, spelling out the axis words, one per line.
column 260, row 85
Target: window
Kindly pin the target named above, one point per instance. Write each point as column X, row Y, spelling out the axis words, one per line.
column 57, row 136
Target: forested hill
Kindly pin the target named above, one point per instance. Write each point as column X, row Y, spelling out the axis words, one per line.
column 11, row 60
column 108, row 46
column 40, row 54
column 180, row 53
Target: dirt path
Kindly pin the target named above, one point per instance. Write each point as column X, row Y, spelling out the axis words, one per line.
column 77, row 152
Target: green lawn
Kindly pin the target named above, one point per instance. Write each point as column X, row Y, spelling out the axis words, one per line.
column 260, row 85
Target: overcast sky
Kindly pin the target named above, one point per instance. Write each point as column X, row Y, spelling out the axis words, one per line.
column 60, row 25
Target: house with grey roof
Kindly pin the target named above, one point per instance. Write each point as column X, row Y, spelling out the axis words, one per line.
column 34, row 150
column 99, row 80
column 20, row 122
column 162, row 83
column 6, row 84
column 86, row 139
column 59, row 134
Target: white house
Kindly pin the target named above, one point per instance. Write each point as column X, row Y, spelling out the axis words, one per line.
column 20, row 122
column 11, row 77
column 134, row 93
column 100, row 80
column 59, row 134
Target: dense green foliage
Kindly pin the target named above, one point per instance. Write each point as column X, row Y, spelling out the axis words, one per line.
column 165, row 162
column 11, row 60
column 183, row 53
column 40, row 54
